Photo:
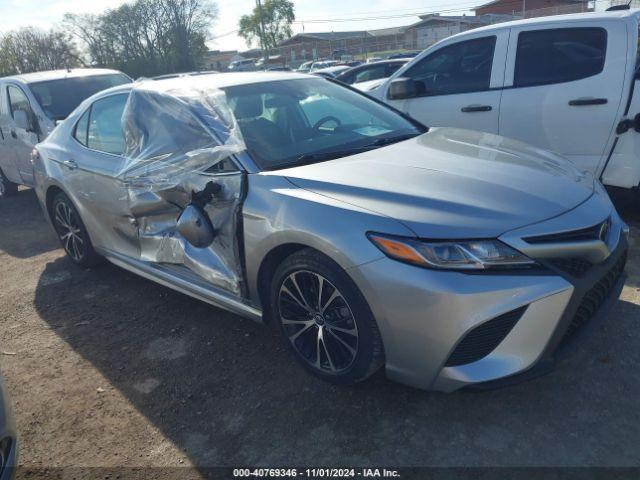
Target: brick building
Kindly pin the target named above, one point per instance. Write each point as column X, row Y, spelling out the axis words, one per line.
column 417, row 36
column 533, row 8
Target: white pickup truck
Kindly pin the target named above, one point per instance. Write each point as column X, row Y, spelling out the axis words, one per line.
column 31, row 105
column 568, row 83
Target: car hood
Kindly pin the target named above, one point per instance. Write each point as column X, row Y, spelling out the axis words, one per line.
column 452, row 183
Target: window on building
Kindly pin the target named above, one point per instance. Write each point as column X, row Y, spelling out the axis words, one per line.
column 559, row 55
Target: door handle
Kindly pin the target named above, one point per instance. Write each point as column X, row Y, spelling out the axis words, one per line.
column 14, row 134
column 476, row 108
column 581, row 102
column 70, row 164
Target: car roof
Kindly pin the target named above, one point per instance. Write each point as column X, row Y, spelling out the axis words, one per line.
column 385, row 62
column 205, row 80
column 61, row 74
column 572, row 17
column 335, row 68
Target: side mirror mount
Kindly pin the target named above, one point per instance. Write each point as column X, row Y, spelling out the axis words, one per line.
column 403, row 87
column 22, row 119
column 195, row 227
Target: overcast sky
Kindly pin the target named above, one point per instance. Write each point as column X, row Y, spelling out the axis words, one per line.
column 45, row 13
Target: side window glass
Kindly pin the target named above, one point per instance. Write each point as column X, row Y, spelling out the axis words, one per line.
column 80, row 133
column 105, row 126
column 346, row 78
column 18, row 101
column 458, row 68
column 393, row 68
column 372, row 73
column 559, row 55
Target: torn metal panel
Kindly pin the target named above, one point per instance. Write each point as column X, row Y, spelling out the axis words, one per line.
column 172, row 138
column 171, row 134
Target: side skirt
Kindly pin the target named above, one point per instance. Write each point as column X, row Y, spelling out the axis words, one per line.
column 176, row 280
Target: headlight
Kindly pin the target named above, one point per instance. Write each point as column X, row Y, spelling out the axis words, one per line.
column 457, row 255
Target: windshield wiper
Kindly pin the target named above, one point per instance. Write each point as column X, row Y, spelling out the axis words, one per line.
column 381, row 142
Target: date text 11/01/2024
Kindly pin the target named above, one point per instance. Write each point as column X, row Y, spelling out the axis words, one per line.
column 316, row 473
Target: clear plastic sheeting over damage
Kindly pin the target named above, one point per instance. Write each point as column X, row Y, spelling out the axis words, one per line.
column 177, row 133
column 175, row 128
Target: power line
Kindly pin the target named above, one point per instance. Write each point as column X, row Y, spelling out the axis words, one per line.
column 459, row 7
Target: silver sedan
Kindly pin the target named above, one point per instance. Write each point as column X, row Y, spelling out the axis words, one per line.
column 448, row 257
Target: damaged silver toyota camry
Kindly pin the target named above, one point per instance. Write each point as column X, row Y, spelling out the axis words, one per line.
column 449, row 257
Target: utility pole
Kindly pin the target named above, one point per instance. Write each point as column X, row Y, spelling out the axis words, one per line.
column 524, row 8
column 265, row 53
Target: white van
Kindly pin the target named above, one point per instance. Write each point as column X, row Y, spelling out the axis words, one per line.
column 562, row 83
column 30, row 106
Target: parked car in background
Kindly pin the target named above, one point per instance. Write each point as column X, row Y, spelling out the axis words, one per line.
column 321, row 64
column 371, row 71
column 277, row 69
column 565, row 83
column 30, row 106
column 404, row 55
column 449, row 257
column 245, row 65
column 331, row 72
column 374, row 59
column 8, row 437
column 305, row 67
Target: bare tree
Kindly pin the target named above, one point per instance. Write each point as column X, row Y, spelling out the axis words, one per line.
column 30, row 49
column 146, row 37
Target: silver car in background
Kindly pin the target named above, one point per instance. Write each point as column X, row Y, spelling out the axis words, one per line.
column 31, row 105
column 448, row 257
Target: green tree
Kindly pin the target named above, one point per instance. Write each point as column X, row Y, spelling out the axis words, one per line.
column 275, row 17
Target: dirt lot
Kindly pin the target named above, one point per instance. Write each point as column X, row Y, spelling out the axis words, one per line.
column 108, row 369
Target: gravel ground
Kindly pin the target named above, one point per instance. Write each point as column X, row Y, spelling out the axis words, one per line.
column 107, row 369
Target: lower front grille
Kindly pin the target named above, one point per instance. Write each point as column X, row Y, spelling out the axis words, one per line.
column 593, row 300
column 576, row 267
column 484, row 339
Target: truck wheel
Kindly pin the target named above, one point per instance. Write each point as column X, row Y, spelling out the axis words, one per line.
column 7, row 188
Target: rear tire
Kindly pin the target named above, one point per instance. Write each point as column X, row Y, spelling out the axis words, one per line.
column 324, row 319
column 7, row 188
column 72, row 233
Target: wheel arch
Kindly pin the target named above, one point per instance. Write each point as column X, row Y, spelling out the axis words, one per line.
column 50, row 194
column 268, row 266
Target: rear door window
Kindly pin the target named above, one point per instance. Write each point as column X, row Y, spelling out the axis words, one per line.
column 559, row 55
column 105, row 125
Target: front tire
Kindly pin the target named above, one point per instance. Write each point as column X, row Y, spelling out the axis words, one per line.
column 72, row 233
column 324, row 319
column 7, row 188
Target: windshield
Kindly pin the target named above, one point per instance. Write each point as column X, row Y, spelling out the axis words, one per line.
column 293, row 122
column 58, row 98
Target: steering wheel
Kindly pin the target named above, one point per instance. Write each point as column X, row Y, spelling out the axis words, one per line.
column 323, row 120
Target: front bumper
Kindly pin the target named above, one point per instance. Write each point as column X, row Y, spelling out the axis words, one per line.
column 423, row 315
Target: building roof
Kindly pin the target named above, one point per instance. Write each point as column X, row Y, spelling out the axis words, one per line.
column 60, row 74
column 571, row 17
column 495, row 2
column 327, row 36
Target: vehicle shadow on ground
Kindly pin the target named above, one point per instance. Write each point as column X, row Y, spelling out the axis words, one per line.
column 227, row 392
column 24, row 232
